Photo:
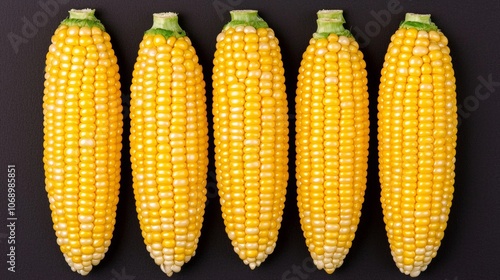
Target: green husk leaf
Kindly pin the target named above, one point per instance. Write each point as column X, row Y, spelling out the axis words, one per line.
column 331, row 22
column 167, row 25
column 419, row 22
column 83, row 18
column 245, row 18
column 332, row 14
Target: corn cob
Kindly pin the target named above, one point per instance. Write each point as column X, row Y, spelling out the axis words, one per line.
column 417, row 133
column 331, row 143
column 169, row 143
column 82, row 138
column 251, row 134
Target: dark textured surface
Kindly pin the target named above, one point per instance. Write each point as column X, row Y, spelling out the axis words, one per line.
column 471, row 244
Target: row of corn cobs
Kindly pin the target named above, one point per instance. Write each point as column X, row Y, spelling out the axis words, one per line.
column 417, row 127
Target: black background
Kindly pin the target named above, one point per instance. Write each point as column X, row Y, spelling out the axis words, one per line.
column 471, row 245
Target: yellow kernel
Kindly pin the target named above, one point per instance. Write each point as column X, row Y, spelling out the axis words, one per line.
column 159, row 40
column 411, row 33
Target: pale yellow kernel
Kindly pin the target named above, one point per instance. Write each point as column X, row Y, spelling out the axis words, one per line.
column 250, row 29
column 343, row 40
column 420, row 51
column 434, row 36
column 422, row 34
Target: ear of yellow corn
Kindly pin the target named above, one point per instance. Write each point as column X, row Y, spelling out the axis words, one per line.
column 169, row 143
column 332, row 129
column 417, row 133
column 82, row 138
column 251, row 134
